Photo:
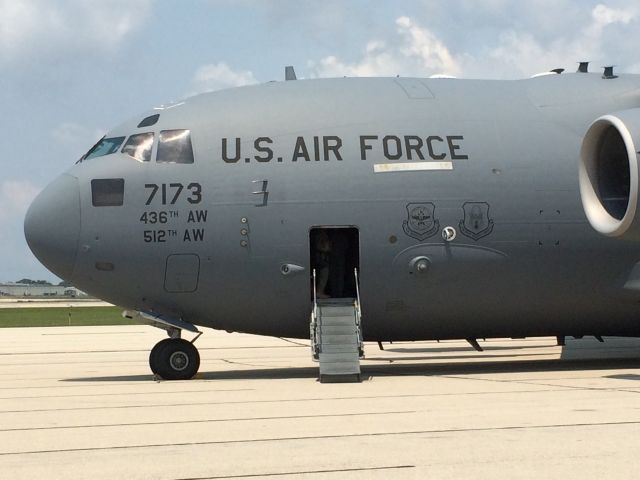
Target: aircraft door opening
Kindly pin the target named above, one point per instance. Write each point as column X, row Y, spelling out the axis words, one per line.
column 335, row 253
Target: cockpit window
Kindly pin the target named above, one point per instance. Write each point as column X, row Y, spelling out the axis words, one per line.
column 139, row 146
column 106, row 146
column 174, row 146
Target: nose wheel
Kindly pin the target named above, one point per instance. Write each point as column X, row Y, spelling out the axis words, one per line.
column 174, row 359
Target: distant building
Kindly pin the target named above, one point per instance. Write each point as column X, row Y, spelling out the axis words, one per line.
column 38, row 290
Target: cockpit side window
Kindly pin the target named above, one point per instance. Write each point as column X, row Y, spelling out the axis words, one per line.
column 107, row 192
column 174, row 146
column 139, row 146
column 106, row 146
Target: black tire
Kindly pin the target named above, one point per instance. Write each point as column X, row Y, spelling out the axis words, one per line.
column 153, row 361
column 177, row 359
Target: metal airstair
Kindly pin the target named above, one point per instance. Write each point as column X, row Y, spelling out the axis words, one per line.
column 336, row 336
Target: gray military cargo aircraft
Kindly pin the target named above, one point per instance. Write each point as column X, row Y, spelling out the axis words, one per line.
column 359, row 209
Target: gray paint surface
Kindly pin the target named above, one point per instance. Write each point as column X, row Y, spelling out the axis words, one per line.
column 530, row 265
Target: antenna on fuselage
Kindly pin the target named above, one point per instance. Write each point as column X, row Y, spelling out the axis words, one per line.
column 608, row 73
column 583, row 67
column 289, row 73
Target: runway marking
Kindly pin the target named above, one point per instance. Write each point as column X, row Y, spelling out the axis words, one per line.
column 124, row 394
column 325, row 437
column 304, row 472
column 114, row 384
column 572, row 387
column 281, row 400
column 134, row 361
column 147, row 350
column 211, row 420
column 91, row 333
column 307, row 345
column 543, row 384
column 244, row 364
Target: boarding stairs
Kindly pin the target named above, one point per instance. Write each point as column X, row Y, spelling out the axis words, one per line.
column 336, row 338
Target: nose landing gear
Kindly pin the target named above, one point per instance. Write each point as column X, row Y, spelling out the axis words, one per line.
column 174, row 359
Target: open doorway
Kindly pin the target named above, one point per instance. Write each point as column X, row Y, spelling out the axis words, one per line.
column 335, row 253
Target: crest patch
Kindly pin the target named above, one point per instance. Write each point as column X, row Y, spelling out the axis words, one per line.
column 421, row 222
column 476, row 223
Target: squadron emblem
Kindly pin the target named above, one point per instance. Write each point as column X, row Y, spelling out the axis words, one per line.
column 420, row 222
column 476, row 223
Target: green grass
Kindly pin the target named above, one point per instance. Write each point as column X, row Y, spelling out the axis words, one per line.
column 62, row 317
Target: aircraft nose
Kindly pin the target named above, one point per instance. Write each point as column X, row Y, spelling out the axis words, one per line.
column 52, row 225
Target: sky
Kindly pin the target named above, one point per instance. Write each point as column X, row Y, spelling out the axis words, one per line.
column 72, row 69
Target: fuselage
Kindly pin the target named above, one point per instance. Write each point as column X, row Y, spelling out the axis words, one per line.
column 224, row 241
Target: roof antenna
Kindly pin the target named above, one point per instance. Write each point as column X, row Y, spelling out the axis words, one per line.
column 557, row 70
column 289, row 73
column 583, row 67
column 608, row 73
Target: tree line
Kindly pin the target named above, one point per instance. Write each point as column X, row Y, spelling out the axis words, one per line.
column 28, row 281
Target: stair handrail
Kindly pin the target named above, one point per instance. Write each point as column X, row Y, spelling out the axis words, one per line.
column 314, row 321
column 358, row 313
column 315, row 295
column 355, row 274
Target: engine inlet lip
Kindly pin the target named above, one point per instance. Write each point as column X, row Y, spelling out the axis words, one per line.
column 599, row 218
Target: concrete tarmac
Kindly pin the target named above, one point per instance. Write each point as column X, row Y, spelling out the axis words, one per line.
column 80, row 402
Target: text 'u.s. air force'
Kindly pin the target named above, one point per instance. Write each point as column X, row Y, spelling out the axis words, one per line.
column 330, row 147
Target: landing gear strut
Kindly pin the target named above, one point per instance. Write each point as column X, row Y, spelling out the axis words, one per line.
column 174, row 359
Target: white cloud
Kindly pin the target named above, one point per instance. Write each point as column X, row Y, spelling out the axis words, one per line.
column 18, row 19
column 15, row 198
column 37, row 26
column 523, row 54
column 527, row 54
column 603, row 15
column 417, row 50
column 217, row 76
column 377, row 60
column 603, row 34
column 422, row 44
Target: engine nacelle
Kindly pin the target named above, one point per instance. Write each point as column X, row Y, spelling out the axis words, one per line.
column 609, row 174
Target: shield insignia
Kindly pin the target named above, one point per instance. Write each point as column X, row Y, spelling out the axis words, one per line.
column 476, row 223
column 421, row 222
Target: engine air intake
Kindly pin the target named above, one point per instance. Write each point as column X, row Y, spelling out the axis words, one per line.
column 609, row 174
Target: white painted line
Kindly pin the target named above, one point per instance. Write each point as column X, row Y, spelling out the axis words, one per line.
column 411, row 167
